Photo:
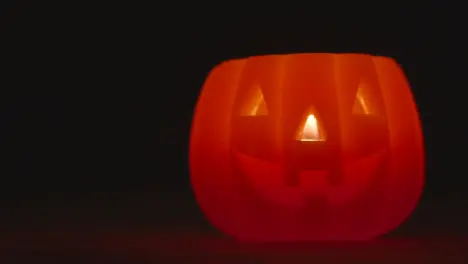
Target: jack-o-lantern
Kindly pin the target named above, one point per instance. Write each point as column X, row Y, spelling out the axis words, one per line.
column 306, row 147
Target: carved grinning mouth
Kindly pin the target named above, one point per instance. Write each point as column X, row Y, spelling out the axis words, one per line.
column 267, row 178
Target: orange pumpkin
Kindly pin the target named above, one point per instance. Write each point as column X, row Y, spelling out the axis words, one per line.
column 306, row 147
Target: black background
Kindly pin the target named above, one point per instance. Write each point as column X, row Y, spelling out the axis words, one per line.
column 96, row 102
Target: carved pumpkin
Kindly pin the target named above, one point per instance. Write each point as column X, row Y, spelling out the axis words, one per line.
column 306, row 147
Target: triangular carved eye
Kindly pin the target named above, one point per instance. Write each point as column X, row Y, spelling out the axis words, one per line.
column 254, row 104
column 311, row 129
column 363, row 104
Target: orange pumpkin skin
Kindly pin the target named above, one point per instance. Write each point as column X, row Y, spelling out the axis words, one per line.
column 305, row 147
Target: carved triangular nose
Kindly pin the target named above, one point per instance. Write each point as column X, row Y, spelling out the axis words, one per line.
column 310, row 127
column 310, row 130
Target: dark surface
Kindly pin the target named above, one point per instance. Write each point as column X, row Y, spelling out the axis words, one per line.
column 152, row 247
column 96, row 103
